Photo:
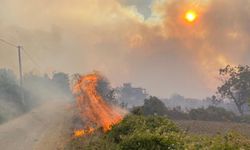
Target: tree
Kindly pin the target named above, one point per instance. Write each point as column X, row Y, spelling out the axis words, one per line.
column 11, row 104
column 106, row 90
column 9, row 88
column 236, row 85
column 61, row 81
column 154, row 106
column 214, row 100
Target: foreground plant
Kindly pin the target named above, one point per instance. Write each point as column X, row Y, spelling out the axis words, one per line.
column 156, row 133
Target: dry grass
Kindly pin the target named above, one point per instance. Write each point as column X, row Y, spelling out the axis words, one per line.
column 212, row 127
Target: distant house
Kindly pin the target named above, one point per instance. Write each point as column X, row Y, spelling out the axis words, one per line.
column 132, row 96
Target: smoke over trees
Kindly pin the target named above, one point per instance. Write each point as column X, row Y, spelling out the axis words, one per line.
column 36, row 90
column 9, row 88
column 10, row 96
column 131, row 96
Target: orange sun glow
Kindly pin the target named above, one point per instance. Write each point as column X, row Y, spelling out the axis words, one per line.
column 190, row 16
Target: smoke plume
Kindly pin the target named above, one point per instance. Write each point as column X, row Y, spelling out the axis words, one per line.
column 147, row 43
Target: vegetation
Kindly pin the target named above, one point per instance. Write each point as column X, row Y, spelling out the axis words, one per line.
column 154, row 106
column 35, row 89
column 44, row 88
column 9, row 88
column 212, row 113
column 236, row 85
column 61, row 82
column 10, row 96
column 158, row 133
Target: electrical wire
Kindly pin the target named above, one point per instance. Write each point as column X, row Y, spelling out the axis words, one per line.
column 8, row 43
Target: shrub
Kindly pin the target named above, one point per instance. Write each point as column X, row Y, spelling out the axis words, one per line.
column 156, row 133
column 212, row 114
column 150, row 141
column 146, row 132
column 138, row 124
column 137, row 110
column 154, row 106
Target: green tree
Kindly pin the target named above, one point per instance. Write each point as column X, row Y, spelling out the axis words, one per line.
column 106, row 90
column 236, row 85
column 154, row 106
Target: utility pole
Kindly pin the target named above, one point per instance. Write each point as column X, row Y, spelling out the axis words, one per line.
column 19, row 48
column 20, row 72
column 20, row 65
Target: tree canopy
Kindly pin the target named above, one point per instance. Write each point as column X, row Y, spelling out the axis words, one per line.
column 235, row 85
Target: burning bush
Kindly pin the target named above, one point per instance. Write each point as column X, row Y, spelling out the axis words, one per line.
column 94, row 110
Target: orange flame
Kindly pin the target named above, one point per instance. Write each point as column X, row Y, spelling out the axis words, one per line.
column 81, row 133
column 92, row 106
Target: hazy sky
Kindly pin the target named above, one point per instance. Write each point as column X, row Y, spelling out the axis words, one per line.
column 146, row 42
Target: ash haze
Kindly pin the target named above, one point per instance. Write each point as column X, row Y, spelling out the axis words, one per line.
column 144, row 42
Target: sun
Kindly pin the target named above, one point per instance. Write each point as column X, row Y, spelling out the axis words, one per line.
column 190, row 16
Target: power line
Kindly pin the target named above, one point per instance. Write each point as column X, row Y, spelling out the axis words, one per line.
column 12, row 45
column 20, row 66
column 31, row 58
column 25, row 52
column 8, row 43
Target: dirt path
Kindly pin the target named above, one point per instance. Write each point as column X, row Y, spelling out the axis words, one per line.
column 45, row 128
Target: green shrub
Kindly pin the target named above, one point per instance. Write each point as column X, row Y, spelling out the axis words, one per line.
column 154, row 106
column 212, row 114
column 156, row 133
column 150, row 141
column 138, row 110
column 136, row 124
column 147, row 133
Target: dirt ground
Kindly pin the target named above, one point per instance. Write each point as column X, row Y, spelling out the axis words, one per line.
column 44, row 128
column 212, row 127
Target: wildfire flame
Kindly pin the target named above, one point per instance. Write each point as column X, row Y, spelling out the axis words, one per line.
column 92, row 107
column 81, row 133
